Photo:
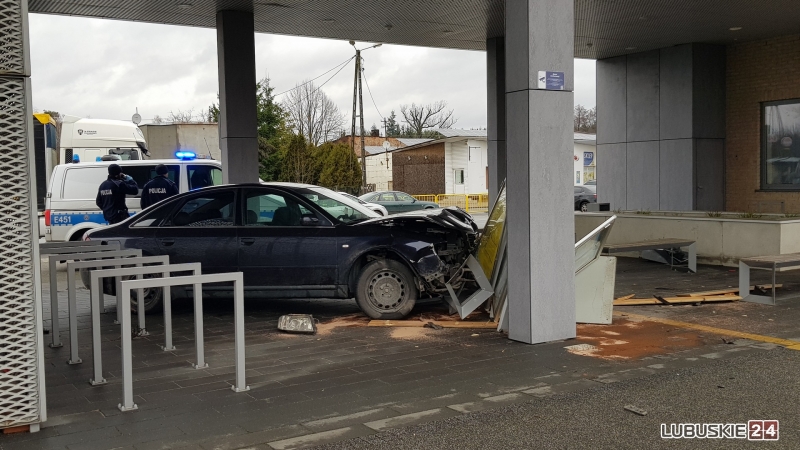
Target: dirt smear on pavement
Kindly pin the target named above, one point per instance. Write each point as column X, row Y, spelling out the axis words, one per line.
column 352, row 320
column 634, row 340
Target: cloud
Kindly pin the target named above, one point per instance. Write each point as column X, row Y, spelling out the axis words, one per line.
column 107, row 69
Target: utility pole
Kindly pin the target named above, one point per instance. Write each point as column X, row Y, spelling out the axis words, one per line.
column 357, row 97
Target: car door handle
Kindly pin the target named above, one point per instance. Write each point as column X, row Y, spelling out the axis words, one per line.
column 248, row 241
column 167, row 242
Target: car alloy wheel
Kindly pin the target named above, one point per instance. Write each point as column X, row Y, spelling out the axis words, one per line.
column 584, row 207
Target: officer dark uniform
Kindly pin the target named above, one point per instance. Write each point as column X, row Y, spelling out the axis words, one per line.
column 112, row 192
column 158, row 188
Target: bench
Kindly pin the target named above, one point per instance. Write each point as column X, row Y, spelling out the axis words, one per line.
column 789, row 261
column 657, row 244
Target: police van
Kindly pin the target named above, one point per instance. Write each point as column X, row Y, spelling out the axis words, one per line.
column 70, row 203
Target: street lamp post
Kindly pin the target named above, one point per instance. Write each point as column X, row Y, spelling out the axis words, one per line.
column 357, row 97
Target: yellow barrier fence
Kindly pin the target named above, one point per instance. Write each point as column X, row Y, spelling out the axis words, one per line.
column 471, row 203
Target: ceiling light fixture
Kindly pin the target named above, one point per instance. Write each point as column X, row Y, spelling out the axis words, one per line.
column 388, row 26
column 184, row 5
column 735, row 28
column 328, row 21
column 630, row 48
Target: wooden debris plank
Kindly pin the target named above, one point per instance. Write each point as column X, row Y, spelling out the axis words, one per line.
column 676, row 300
column 442, row 323
column 625, row 297
column 730, row 291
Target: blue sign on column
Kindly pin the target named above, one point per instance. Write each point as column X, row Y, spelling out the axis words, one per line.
column 551, row 81
column 588, row 157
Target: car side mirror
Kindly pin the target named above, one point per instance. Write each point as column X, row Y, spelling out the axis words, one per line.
column 309, row 221
column 413, row 200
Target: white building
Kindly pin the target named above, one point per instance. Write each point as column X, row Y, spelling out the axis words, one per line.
column 585, row 158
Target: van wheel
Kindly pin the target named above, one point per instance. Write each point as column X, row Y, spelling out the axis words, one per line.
column 386, row 290
column 78, row 236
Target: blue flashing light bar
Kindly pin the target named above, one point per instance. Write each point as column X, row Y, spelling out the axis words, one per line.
column 186, row 156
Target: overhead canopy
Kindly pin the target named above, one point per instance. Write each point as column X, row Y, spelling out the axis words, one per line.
column 603, row 28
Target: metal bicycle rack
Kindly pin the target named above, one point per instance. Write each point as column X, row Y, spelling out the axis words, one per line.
column 74, row 254
column 74, row 266
column 165, row 271
column 197, row 280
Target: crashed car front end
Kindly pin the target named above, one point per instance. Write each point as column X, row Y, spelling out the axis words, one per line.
column 435, row 243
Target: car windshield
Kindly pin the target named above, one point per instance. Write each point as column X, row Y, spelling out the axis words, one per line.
column 337, row 205
column 353, row 198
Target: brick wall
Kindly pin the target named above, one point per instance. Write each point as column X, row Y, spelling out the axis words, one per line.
column 415, row 174
column 761, row 71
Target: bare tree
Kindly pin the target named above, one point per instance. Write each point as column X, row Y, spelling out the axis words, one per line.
column 313, row 114
column 157, row 120
column 432, row 115
column 182, row 116
column 585, row 120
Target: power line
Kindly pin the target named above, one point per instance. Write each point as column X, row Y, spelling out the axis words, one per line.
column 339, row 66
column 370, row 94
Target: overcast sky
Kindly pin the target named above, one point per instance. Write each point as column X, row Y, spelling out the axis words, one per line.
column 106, row 69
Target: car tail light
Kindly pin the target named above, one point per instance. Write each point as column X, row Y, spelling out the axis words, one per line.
column 595, row 196
column 47, row 217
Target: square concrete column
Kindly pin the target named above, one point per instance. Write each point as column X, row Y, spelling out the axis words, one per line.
column 496, row 114
column 236, row 57
column 539, row 139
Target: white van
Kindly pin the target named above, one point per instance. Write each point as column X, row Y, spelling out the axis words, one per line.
column 70, row 204
column 91, row 139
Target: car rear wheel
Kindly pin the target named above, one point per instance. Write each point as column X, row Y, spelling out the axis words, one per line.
column 386, row 290
column 152, row 298
column 584, row 206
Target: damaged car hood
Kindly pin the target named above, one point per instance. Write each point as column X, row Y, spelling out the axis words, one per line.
column 451, row 217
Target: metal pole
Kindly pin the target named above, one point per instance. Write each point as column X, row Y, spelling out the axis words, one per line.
column 55, row 341
column 355, row 98
column 361, row 116
column 238, row 312
column 167, row 304
column 198, row 326
column 97, row 355
column 72, row 306
column 127, row 358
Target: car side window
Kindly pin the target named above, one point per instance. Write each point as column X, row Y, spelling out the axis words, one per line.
column 404, row 197
column 578, row 190
column 273, row 209
column 210, row 210
column 387, row 197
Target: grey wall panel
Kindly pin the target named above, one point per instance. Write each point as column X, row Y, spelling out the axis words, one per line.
column 516, row 46
column 496, row 89
column 709, row 91
column 612, row 178
column 710, row 174
column 675, row 96
column 643, row 97
column 676, row 175
column 642, row 174
column 611, row 83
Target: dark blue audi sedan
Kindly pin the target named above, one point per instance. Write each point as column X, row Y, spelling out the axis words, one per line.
column 303, row 241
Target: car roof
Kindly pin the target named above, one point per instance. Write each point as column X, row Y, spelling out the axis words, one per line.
column 134, row 162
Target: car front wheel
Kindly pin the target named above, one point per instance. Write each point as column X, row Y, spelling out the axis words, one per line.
column 386, row 290
column 584, row 206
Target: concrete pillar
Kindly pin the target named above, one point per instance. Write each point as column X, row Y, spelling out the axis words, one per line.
column 541, row 268
column 496, row 114
column 236, row 57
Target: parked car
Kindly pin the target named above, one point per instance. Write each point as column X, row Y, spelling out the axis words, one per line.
column 395, row 201
column 296, row 240
column 373, row 206
column 584, row 196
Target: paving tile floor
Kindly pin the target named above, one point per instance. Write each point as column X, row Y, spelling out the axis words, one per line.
column 344, row 382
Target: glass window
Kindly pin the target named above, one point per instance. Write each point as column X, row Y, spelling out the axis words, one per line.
column 82, row 183
column 125, row 154
column 210, row 210
column 153, row 218
column 387, row 197
column 404, row 197
column 144, row 173
column 459, row 176
column 338, row 206
column 780, row 161
column 203, row 175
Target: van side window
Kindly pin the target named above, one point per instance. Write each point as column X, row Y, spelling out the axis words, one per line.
column 146, row 172
column 81, row 183
column 202, row 175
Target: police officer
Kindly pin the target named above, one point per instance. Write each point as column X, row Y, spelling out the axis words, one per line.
column 158, row 188
column 112, row 192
